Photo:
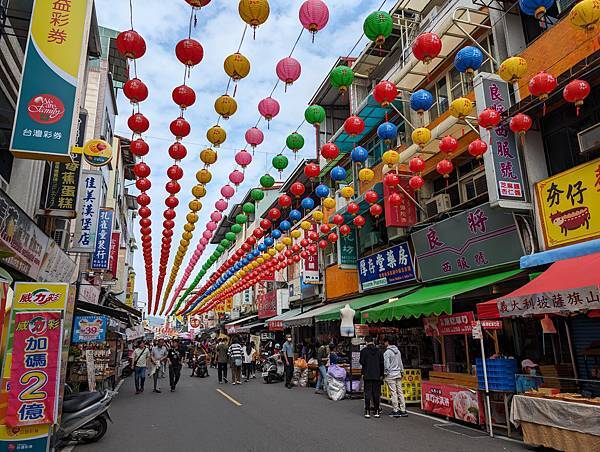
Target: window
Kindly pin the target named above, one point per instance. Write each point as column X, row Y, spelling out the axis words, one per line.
column 488, row 65
column 107, row 132
column 440, row 94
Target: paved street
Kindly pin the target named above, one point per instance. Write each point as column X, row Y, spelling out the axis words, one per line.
column 270, row 418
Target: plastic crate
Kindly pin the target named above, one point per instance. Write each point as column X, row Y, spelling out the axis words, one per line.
column 500, row 372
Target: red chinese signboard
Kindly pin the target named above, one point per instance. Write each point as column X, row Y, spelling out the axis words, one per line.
column 267, row 304
column 446, row 325
column 276, row 325
column 454, row 401
column 113, row 256
column 404, row 214
column 35, row 368
column 491, row 324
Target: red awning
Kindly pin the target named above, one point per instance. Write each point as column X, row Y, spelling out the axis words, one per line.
column 568, row 285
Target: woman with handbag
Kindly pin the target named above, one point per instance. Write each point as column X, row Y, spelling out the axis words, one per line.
column 236, row 357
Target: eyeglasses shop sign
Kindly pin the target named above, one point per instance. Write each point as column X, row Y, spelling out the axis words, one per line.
column 391, row 266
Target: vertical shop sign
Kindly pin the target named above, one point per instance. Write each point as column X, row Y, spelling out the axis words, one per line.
column 391, row 266
column 90, row 194
column 267, row 304
column 346, row 248
column 404, row 214
column 35, row 368
column 569, row 205
column 101, row 253
column 46, row 114
column 62, row 188
column 113, row 259
column 130, row 289
column 503, row 168
column 310, row 269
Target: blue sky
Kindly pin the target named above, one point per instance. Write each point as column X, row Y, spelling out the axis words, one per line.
column 163, row 23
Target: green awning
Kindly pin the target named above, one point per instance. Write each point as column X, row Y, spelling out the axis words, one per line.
column 362, row 302
column 436, row 299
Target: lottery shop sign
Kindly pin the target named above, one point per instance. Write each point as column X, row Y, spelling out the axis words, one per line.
column 40, row 296
column 33, row 391
column 89, row 328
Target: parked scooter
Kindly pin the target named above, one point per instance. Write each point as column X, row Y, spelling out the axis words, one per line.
column 84, row 417
column 273, row 369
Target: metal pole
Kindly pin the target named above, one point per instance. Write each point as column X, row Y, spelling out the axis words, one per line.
column 488, row 414
column 570, row 342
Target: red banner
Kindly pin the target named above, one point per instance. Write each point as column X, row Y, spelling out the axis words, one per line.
column 404, row 214
column 113, row 257
column 446, row 325
column 35, row 368
column 491, row 324
column 267, row 304
column 276, row 325
column 453, row 401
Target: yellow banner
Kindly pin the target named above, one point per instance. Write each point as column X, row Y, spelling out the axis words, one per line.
column 229, row 304
column 569, row 205
column 40, row 296
column 130, row 290
column 220, row 307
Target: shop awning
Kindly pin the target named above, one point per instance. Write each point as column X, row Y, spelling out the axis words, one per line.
column 306, row 318
column 361, row 303
column 232, row 327
column 569, row 285
column 276, row 323
column 559, row 254
column 248, row 328
column 431, row 300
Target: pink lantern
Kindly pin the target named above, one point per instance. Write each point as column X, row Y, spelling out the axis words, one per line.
column 221, row 205
column 227, row 191
column 314, row 15
column 254, row 137
column 268, row 108
column 211, row 226
column 243, row 158
column 288, row 70
column 207, row 235
column 216, row 216
column 204, row 240
column 236, row 177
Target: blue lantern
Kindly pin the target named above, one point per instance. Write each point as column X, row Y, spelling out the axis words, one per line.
column 322, row 191
column 307, row 204
column 468, row 59
column 387, row 131
column 295, row 215
column 536, row 8
column 359, row 154
column 275, row 233
column 269, row 241
column 338, row 173
column 256, row 253
column 244, row 261
column 421, row 100
column 285, row 225
column 262, row 247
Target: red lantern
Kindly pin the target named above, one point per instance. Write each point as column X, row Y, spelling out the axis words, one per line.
column 265, row 224
column 172, row 187
column 426, row 47
column 284, row 201
column 295, row 248
column 312, row 249
column 312, row 235
column 575, row 92
column 477, row 148
column 171, row 201
column 489, row 119
column 175, row 172
column 323, row 244
column 329, row 151
column 143, row 199
column 354, row 125
column 416, row 164
column 520, row 124
column 297, row 189
column 391, row 179
column 135, row 90
column 376, row 210
column 385, row 92
column 333, row 237
column 145, row 222
column 246, row 246
column 258, row 233
column 146, row 231
column 184, row 96
column 371, row 196
column 338, row 219
column 131, row 44
column 141, row 169
column 541, row 85
column 359, row 221
column 189, row 52
column 139, row 147
column 448, row 144
column 138, row 123
column 144, row 212
column 180, row 128
column 304, row 254
column 274, row 213
column 325, row 229
column 345, row 229
column 143, row 184
column 303, row 243
column 416, row 182
column 169, row 214
column 168, row 224
column 395, row 200
column 444, row 167
column 312, row 170
column 353, row 208
column 177, row 151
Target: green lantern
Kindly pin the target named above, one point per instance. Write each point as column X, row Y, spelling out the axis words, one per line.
column 257, row 194
column 294, row 142
column 241, row 218
column 248, row 208
column 314, row 114
column 236, row 228
column 378, row 26
column 225, row 243
column 219, row 249
column 341, row 77
column 217, row 254
column 267, row 181
column 230, row 236
column 280, row 162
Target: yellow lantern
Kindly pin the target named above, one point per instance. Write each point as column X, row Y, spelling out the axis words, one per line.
column 216, row 135
column 306, row 225
column 237, row 66
column 512, row 69
column 287, row 241
column 254, row 12
column 189, row 227
column 279, row 247
column 317, row 216
column 203, row 176
column 461, row 108
column 421, row 136
column 225, row 106
column 272, row 252
column 208, row 156
column 191, row 217
column 296, row 233
column 255, row 263
column 329, row 203
column 187, row 235
column 390, row 158
column 266, row 256
column 585, row 15
column 260, row 260
column 195, row 205
column 242, row 273
column 366, row 175
column 347, row 192
column 199, row 191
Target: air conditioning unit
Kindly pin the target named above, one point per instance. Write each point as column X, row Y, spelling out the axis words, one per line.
column 61, row 233
column 438, row 204
column 589, row 139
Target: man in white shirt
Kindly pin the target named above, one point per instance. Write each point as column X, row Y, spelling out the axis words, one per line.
column 158, row 356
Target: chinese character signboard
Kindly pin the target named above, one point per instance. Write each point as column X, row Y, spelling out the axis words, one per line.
column 101, row 253
column 113, row 260
column 346, row 248
column 267, row 304
column 62, row 187
column 40, row 296
column 35, row 368
column 130, row 289
column 89, row 328
column 507, row 186
column 90, row 194
column 569, row 205
column 310, row 269
column 446, row 325
column 404, row 214
column 453, row 401
column 47, row 114
column 478, row 238
column 391, row 266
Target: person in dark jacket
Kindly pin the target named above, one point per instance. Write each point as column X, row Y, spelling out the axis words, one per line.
column 371, row 360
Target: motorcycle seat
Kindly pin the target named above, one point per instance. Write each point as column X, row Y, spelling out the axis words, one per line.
column 76, row 402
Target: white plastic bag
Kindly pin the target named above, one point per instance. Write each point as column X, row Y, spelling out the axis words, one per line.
column 336, row 389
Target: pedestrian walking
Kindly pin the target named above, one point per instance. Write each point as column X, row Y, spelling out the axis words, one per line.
column 158, row 356
column 248, row 356
column 140, row 363
column 287, row 352
column 394, row 371
column 175, row 358
column 371, row 360
column 322, row 358
column 236, row 355
column 222, row 360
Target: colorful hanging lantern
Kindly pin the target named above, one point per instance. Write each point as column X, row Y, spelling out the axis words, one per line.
column 325, row 228
column 426, row 47
column 395, row 200
column 227, row 191
column 267, row 181
column 313, row 15
column 183, row 96
column 254, row 136
column 376, row 210
column 280, row 162
column 199, row 191
column 330, row 151
column 366, row 175
column 541, row 85
column 294, row 142
column 385, row 93
column 341, row 77
column 461, row 108
column 448, row 144
column 284, row 201
column 225, row 106
column 268, row 108
column 444, row 167
column 359, row 221
column 477, row 148
column 131, row 44
column 354, row 125
column 141, row 169
column 468, row 59
column 328, row 203
column 248, row 208
column 337, row 174
column 288, row 70
column 243, row 158
column 254, row 12
column 585, row 15
column 520, row 124
column 274, row 214
column 236, row 66
column 135, row 90
column 312, row 170
column 421, row 101
column 180, row 128
column 421, row 136
column 489, row 118
column 297, row 189
column 512, row 69
column 347, row 192
column 391, row 179
column 387, row 131
column 306, row 225
column 189, row 52
column 575, row 92
column 345, row 229
column 139, row 147
column 258, row 195
column 216, row 135
column 416, row 182
column 352, row 208
column 390, row 158
column 337, row 219
column 198, row 3
column 536, row 8
column 416, row 165
column 208, row 156
column 359, row 155
column 322, row 191
column 174, row 172
column 138, row 123
column 203, row 176
column 378, row 26
column 307, row 204
column 314, row 114
column 371, row 196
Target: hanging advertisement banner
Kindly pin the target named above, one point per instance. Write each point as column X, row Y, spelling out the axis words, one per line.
column 97, row 152
column 450, row 324
column 113, row 258
column 47, row 115
column 40, row 296
column 569, row 205
column 90, row 195
column 404, row 214
column 310, row 269
column 391, row 266
column 101, row 253
column 35, row 368
column 34, row 438
column 346, row 249
column 267, row 304
column 458, row 402
column 56, row 265
column 89, row 328
column 62, row 187
column 130, row 289
column 89, row 293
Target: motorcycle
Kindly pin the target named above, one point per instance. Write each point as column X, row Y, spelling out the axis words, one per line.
column 273, row 369
column 84, row 417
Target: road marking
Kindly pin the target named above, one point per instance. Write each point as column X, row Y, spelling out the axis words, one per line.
column 228, row 397
column 433, row 418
